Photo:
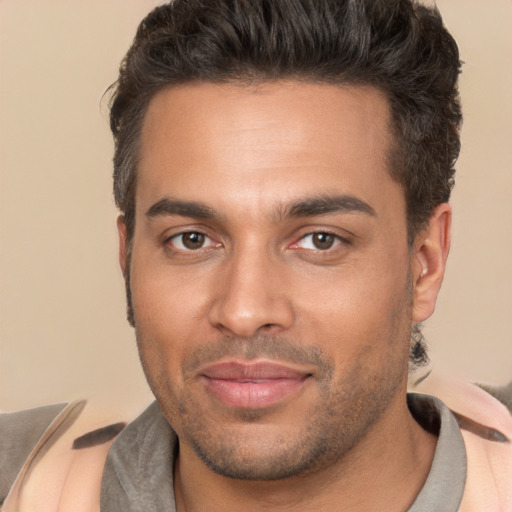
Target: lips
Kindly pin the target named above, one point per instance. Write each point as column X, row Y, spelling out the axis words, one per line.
column 252, row 385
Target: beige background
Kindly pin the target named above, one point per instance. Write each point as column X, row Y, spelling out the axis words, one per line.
column 62, row 328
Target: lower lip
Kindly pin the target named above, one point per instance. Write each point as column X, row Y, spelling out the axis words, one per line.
column 253, row 394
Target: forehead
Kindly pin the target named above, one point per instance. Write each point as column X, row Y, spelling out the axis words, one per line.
column 228, row 142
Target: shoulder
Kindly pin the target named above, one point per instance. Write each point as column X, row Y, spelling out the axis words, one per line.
column 19, row 433
column 481, row 404
column 501, row 393
column 63, row 463
column 485, row 421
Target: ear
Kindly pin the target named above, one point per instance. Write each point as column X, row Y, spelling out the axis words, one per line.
column 123, row 243
column 431, row 249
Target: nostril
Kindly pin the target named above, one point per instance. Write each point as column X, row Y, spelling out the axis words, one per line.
column 244, row 313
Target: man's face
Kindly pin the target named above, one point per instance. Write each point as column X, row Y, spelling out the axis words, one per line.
column 270, row 273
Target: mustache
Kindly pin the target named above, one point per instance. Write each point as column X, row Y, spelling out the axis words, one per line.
column 261, row 346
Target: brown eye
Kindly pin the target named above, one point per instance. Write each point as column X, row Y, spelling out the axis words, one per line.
column 323, row 241
column 319, row 241
column 191, row 241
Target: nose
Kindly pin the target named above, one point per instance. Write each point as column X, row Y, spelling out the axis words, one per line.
column 251, row 297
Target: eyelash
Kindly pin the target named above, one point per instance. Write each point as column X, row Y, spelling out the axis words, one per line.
column 177, row 236
column 336, row 239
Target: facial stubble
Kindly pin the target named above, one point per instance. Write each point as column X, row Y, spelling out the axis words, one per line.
column 245, row 446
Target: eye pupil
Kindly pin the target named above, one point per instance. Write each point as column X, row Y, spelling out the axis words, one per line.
column 193, row 240
column 323, row 240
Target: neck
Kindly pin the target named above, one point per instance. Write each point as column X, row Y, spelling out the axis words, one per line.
column 389, row 465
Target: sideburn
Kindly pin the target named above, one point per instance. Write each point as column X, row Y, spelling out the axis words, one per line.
column 130, row 313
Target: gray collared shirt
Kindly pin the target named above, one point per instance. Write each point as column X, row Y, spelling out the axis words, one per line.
column 139, row 471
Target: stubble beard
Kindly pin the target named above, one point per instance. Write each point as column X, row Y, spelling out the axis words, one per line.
column 346, row 411
column 335, row 426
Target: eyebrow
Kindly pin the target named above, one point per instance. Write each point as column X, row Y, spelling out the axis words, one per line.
column 168, row 206
column 307, row 207
column 322, row 205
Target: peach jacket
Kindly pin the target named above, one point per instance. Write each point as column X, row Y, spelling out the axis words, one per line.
column 64, row 470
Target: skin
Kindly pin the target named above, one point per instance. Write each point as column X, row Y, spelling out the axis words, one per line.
column 254, row 284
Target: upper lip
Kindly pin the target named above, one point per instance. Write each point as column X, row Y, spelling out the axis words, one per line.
column 237, row 370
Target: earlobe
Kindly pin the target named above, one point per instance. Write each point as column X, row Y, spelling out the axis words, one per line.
column 123, row 245
column 431, row 250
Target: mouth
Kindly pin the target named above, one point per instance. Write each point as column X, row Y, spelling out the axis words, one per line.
column 252, row 385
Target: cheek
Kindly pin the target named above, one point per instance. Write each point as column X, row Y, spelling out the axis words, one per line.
column 164, row 298
column 358, row 312
column 353, row 294
column 171, row 316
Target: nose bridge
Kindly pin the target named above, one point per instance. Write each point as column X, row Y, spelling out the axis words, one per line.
column 251, row 294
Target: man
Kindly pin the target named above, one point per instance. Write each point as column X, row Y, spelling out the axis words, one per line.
column 283, row 169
